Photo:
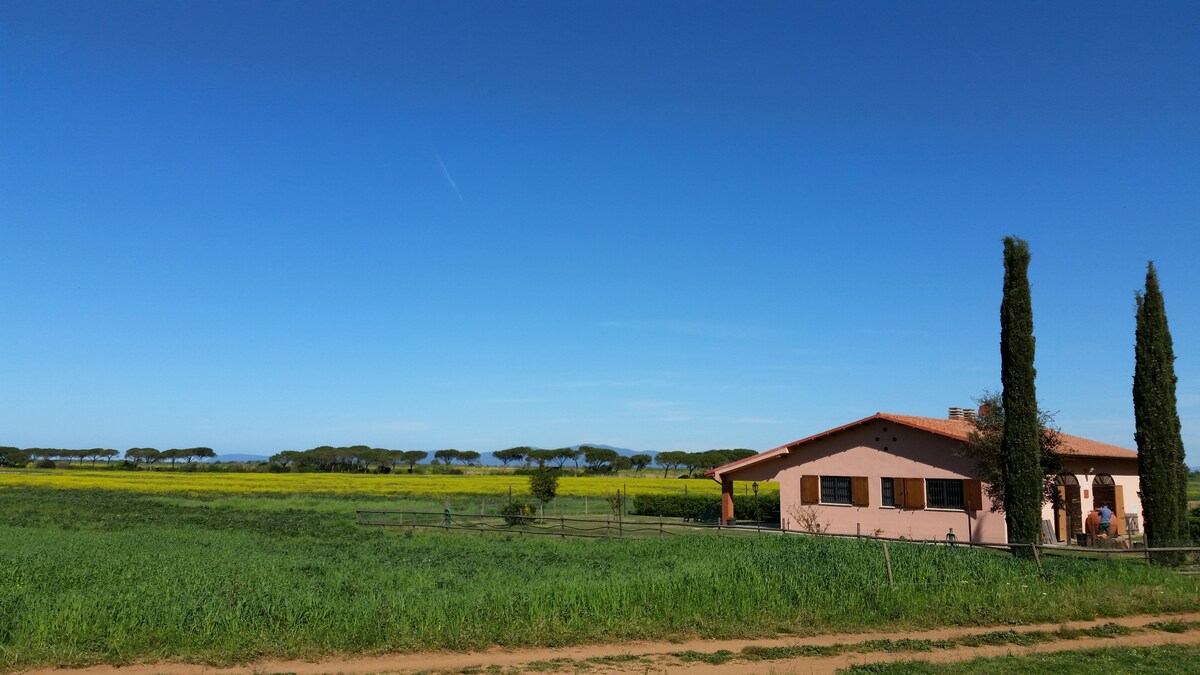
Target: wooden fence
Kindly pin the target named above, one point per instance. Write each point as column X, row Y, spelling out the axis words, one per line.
column 635, row 527
column 558, row 526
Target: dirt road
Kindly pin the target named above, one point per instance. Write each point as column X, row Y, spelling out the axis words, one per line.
column 658, row 657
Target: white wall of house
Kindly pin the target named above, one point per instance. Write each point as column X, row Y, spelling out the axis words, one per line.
column 1124, row 473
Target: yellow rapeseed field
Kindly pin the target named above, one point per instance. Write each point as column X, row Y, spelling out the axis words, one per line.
column 385, row 485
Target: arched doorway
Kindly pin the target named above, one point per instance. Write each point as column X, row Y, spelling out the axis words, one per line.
column 1104, row 491
column 1068, row 511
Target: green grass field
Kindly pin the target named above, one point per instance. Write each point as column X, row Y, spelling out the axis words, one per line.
column 112, row 576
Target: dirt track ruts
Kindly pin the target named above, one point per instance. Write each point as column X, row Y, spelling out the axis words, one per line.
column 660, row 661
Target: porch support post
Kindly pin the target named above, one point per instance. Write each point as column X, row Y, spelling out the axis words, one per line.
column 726, row 500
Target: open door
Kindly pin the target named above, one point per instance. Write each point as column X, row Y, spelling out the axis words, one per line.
column 1104, row 493
column 1119, row 525
column 1068, row 512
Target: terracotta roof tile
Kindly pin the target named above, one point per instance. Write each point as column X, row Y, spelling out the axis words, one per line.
column 961, row 429
column 957, row 429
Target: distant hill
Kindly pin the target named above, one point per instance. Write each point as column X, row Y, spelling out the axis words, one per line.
column 239, row 458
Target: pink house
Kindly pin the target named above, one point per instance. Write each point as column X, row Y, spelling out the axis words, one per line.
column 899, row 475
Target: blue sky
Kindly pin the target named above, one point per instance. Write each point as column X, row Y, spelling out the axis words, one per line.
column 261, row 226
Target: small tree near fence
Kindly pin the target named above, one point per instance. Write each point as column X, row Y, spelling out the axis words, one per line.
column 543, row 484
column 616, row 503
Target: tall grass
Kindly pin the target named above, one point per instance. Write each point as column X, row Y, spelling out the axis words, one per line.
column 105, row 576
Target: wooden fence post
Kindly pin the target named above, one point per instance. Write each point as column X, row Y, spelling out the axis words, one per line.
column 1037, row 559
column 887, row 560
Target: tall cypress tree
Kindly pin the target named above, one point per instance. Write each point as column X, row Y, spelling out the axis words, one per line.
column 1161, row 466
column 1020, row 456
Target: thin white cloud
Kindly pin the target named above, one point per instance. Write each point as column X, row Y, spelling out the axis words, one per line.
column 446, row 173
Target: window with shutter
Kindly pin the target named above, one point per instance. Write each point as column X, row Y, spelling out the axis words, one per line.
column 973, row 495
column 914, row 493
column 810, row 490
column 859, row 491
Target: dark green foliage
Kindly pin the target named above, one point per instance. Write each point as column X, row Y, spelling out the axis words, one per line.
column 517, row 454
column 1194, row 525
column 599, row 460
column 10, row 456
column 692, row 507
column 543, row 484
column 707, row 507
column 540, row 457
column 516, row 513
column 671, row 459
column 468, row 457
column 984, row 447
column 1161, row 467
column 1020, row 465
column 640, row 461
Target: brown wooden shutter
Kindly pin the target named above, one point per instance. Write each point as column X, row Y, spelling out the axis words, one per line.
column 914, row 493
column 810, row 489
column 860, row 494
column 973, row 495
column 1118, row 519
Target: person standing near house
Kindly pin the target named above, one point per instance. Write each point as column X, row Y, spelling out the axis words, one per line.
column 1091, row 525
column 1106, row 520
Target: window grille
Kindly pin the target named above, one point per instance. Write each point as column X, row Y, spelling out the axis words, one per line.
column 835, row 490
column 941, row 493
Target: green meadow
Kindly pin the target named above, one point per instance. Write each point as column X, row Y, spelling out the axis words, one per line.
column 108, row 576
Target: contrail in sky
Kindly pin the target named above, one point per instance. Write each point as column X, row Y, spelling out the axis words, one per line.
column 449, row 180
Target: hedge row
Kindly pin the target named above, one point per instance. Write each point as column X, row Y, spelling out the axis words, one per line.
column 706, row 507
